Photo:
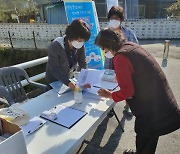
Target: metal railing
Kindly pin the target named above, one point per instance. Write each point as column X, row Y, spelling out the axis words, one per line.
column 30, row 64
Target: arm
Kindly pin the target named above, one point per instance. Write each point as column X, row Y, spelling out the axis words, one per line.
column 132, row 37
column 124, row 71
column 55, row 61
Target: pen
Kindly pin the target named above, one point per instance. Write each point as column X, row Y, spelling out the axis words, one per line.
column 30, row 131
column 96, row 87
column 114, row 88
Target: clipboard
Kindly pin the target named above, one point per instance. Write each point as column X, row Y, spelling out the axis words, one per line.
column 65, row 116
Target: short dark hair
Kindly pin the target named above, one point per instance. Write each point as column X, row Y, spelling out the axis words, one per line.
column 116, row 10
column 110, row 39
column 78, row 29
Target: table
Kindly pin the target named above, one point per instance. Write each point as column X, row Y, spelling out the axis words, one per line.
column 55, row 139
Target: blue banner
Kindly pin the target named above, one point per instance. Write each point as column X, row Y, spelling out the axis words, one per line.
column 87, row 12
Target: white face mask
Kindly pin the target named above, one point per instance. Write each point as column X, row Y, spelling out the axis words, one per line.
column 114, row 23
column 109, row 54
column 77, row 44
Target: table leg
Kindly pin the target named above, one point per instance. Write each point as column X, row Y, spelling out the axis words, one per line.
column 117, row 119
column 77, row 152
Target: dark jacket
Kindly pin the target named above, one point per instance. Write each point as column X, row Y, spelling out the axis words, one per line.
column 58, row 67
column 153, row 102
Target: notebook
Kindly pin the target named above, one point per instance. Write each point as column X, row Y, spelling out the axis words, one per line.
column 65, row 116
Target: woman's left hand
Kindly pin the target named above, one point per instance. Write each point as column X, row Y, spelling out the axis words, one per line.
column 105, row 93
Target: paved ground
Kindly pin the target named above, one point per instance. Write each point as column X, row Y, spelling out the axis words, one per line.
column 108, row 137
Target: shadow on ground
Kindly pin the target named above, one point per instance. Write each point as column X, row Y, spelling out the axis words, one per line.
column 164, row 63
column 94, row 145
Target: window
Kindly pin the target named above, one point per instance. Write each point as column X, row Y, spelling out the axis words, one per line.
column 101, row 11
column 142, row 9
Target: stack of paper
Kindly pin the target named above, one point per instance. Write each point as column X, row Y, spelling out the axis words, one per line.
column 94, row 78
column 90, row 76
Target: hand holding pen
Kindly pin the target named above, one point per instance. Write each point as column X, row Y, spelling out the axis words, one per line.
column 105, row 93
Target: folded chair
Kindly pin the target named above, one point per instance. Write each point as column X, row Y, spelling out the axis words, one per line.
column 10, row 79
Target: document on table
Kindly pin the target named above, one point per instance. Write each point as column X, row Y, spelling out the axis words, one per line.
column 90, row 76
column 94, row 78
column 91, row 95
column 93, row 90
column 59, row 87
column 34, row 124
column 109, row 85
column 104, row 84
column 65, row 116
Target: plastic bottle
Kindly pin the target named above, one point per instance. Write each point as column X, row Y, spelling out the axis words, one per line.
column 78, row 95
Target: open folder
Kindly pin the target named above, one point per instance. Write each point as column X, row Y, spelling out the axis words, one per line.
column 65, row 116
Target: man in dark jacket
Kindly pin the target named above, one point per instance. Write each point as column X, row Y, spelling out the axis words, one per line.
column 145, row 88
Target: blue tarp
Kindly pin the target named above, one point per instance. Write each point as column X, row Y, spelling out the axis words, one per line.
column 56, row 14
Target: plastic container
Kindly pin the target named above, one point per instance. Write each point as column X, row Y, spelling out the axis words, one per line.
column 109, row 75
column 78, row 95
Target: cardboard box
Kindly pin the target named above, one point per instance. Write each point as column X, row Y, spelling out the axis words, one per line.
column 15, row 144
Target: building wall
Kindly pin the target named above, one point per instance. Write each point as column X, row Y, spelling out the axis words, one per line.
column 101, row 8
column 152, row 9
column 134, row 9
